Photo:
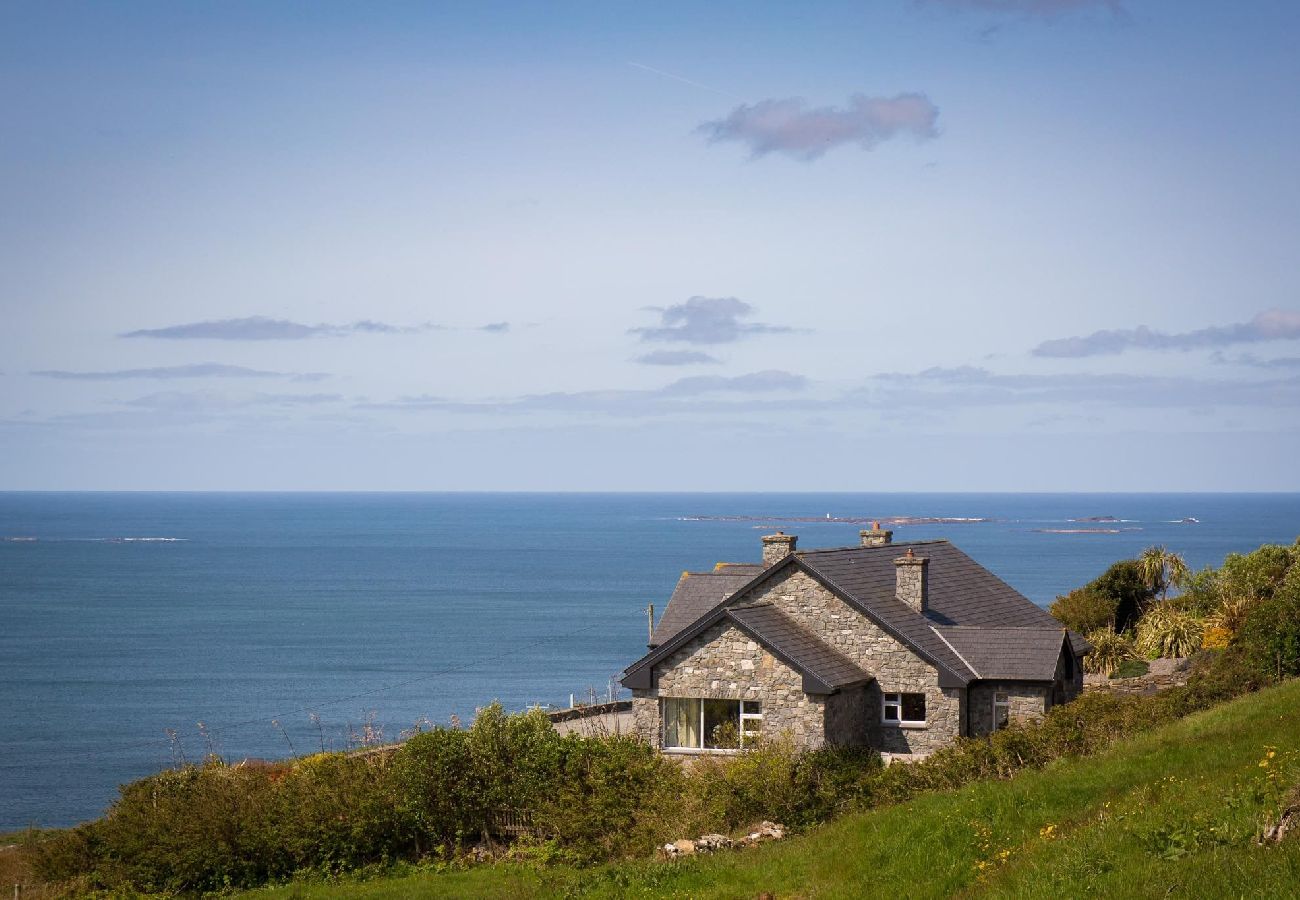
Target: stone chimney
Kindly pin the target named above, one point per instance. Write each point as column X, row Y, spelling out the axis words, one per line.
column 777, row 547
column 913, row 580
column 876, row 537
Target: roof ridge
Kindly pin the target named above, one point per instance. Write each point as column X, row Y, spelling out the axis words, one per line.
column 1052, row 628
column 915, row 543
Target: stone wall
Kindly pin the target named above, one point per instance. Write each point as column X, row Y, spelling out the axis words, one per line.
column 1163, row 674
column 723, row 663
column 1030, row 701
column 895, row 667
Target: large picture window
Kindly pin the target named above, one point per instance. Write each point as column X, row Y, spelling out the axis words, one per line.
column 694, row 724
column 904, row 709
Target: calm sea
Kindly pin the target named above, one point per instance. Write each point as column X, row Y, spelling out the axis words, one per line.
column 124, row 615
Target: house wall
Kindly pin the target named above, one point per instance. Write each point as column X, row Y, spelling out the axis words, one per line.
column 846, row 718
column 1029, row 702
column 724, row 664
column 895, row 667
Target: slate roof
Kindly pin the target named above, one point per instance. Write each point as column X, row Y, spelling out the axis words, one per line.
column 961, row 591
column 789, row 639
column 1015, row 635
column 697, row 593
column 1011, row 654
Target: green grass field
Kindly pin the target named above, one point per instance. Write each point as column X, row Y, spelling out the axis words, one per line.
column 1173, row 813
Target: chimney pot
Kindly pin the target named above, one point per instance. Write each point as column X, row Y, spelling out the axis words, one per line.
column 913, row 580
column 777, row 547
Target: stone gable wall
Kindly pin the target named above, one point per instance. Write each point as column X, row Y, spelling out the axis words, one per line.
column 723, row 663
column 895, row 667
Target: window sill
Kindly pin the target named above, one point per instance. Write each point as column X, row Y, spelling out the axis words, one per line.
column 692, row 751
column 915, row 726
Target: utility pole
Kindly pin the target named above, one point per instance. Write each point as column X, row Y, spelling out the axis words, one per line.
column 650, row 614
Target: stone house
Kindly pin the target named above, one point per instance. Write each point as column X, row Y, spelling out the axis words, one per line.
column 900, row 647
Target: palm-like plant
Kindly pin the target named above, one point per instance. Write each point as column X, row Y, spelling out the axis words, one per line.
column 1168, row 632
column 1161, row 568
column 1108, row 651
column 1231, row 614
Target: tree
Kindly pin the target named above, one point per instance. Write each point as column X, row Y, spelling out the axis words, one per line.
column 1085, row 609
column 1161, row 568
column 1123, row 582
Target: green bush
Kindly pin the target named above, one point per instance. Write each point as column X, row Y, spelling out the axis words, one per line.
column 432, row 780
column 612, row 797
column 1165, row 631
column 1085, row 610
column 775, row 781
column 1109, row 651
column 1131, row 668
column 1243, row 579
column 1270, row 634
column 1257, row 574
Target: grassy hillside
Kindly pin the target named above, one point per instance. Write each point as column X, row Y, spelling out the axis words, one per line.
column 1172, row 813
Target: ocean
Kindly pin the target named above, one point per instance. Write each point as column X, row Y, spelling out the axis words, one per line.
column 124, row 616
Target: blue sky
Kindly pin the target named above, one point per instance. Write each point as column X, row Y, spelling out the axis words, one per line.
column 944, row 245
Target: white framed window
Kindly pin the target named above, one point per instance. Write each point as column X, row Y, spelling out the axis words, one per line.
column 1001, row 710
column 903, row 709
column 691, row 723
column 751, row 722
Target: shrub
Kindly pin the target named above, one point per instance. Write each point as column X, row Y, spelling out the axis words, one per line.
column 1109, row 650
column 612, row 797
column 1231, row 614
column 1165, row 631
column 1130, row 668
column 776, row 780
column 330, row 812
column 431, row 778
column 1202, row 593
column 1215, row 676
column 1239, row 582
column 1216, row 637
column 1270, row 635
column 1085, row 610
column 1257, row 574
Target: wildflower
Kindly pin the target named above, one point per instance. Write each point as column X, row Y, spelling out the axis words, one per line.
column 1047, row 832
